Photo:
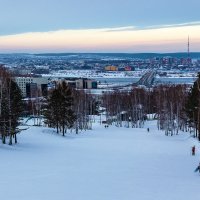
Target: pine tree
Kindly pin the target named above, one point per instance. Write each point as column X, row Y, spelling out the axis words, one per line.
column 10, row 107
column 66, row 113
column 59, row 113
column 16, row 108
column 52, row 112
column 193, row 105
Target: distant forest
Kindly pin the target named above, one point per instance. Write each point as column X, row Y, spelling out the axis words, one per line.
column 193, row 55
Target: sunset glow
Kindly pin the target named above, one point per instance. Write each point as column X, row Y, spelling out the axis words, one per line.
column 122, row 39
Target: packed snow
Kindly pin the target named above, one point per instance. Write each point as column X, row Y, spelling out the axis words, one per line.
column 96, row 74
column 100, row 164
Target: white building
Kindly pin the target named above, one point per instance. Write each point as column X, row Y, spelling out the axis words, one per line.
column 23, row 81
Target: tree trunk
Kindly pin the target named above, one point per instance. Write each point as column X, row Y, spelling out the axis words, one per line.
column 15, row 138
column 10, row 141
column 3, row 139
column 63, row 130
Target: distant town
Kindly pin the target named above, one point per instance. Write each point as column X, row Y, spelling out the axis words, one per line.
column 46, row 63
column 91, row 71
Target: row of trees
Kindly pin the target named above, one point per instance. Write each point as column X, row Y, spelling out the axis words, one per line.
column 129, row 107
column 64, row 108
column 69, row 109
column 175, row 106
column 170, row 102
column 193, row 107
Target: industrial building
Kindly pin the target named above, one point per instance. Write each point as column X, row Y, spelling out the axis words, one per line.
column 111, row 68
column 77, row 83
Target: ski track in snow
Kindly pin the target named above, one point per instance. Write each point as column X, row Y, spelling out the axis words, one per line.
column 100, row 164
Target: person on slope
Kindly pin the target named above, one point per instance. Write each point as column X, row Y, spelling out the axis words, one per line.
column 197, row 169
column 193, row 150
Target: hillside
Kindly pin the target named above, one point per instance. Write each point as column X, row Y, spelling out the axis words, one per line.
column 101, row 164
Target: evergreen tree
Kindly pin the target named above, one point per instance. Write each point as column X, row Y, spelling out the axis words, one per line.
column 52, row 112
column 59, row 113
column 16, row 108
column 66, row 113
column 193, row 105
column 11, row 106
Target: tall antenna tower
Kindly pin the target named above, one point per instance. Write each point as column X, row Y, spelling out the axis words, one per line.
column 188, row 51
column 188, row 47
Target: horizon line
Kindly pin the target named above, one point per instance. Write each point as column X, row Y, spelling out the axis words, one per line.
column 180, row 52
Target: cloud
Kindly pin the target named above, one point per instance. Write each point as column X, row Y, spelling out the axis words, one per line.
column 195, row 23
column 126, row 28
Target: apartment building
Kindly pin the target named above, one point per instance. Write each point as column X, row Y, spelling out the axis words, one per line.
column 28, row 85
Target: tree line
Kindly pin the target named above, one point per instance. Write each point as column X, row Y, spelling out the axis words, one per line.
column 176, row 107
column 67, row 109
column 64, row 108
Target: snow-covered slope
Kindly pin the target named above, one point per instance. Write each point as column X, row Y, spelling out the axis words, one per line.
column 101, row 164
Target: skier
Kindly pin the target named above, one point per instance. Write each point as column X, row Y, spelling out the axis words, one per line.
column 198, row 168
column 147, row 129
column 193, row 150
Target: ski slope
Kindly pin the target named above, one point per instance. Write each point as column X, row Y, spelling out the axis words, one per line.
column 101, row 164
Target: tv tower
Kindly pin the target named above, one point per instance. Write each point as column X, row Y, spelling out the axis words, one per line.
column 188, row 46
column 188, row 51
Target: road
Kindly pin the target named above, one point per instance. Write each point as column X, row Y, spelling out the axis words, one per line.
column 147, row 80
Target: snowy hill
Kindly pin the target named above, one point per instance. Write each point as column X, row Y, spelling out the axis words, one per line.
column 101, row 164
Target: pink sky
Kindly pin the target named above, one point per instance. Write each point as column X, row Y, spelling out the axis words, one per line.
column 122, row 39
